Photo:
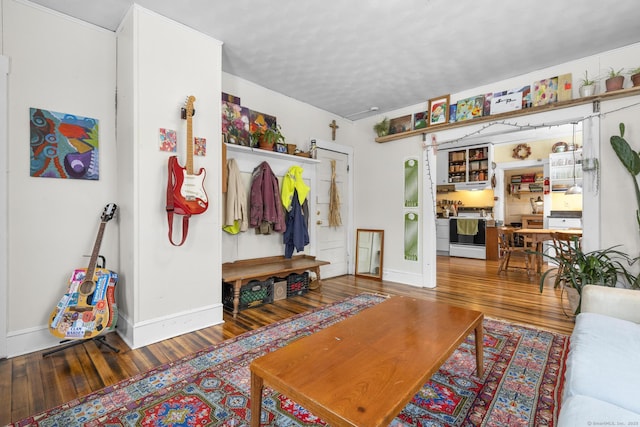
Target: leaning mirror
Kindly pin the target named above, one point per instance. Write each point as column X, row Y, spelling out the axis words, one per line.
column 369, row 252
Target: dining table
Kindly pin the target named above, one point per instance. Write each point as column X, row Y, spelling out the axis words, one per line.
column 538, row 236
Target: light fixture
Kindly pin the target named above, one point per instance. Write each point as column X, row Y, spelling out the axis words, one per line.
column 536, row 205
column 575, row 188
column 370, row 110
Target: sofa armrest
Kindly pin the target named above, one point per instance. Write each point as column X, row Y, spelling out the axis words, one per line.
column 615, row 302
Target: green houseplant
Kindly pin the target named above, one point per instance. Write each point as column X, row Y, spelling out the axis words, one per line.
column 615, row 79
column 634, row 74
column 268, row 136
column 604, row 267
column 630, row 160
column 587, row 85
column 382, row 127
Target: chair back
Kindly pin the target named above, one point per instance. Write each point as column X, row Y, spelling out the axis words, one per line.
column 565, row 244
column 506, row 239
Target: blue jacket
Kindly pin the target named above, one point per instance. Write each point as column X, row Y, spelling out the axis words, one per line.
column 296, row 235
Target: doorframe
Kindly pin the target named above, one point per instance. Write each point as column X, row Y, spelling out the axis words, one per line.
column 4, row 225
column 348, row 151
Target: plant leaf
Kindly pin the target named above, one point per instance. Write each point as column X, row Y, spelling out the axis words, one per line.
column 629, row 158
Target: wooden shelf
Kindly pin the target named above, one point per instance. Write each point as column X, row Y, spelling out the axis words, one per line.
column 532, row 110
column 268, row 154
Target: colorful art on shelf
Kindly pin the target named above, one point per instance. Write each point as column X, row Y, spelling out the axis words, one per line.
column 235, row 121
column 258, row 120
column 545, row 91
column 168, row 140
column 400, row 124
column 565, row 87
column 63, row 145
column 420, row 120
column 199, row 146
column 470, row 108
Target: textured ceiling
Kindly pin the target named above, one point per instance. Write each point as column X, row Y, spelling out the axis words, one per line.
column 348, row 56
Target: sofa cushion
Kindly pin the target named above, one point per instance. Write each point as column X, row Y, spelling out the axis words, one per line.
column 603, row 361
column 581, row 411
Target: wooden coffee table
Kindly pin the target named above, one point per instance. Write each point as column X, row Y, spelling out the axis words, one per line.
column 363, row 370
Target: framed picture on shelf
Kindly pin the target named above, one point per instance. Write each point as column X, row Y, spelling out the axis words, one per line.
column 439, row 110
column 420, row 120
column 470, row 108
column 400, row 124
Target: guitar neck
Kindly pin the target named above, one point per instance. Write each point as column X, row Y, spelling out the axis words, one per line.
column 189, row 161
column 91, row 269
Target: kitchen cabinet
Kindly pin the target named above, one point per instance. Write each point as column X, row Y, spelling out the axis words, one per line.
column 565, row 169
column 468, row 168
column 442, row 235
column 564, row 223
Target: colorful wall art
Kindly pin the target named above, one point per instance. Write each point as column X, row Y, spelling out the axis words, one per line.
column 63, row 145
column 168, row 140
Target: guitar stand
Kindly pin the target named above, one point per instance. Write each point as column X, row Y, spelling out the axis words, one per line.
column 100, row 340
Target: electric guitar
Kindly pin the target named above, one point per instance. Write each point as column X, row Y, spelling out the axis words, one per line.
column 88, row 308
column 189, row 196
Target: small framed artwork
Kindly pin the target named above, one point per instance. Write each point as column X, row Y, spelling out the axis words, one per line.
column 400, row 124
column 470, row 108
column 439, row 110
column 420, row 120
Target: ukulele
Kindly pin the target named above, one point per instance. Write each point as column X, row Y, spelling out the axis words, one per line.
column 88, row 308
column 185, row 189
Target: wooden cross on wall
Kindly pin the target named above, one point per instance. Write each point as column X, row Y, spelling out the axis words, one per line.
column 333, row 127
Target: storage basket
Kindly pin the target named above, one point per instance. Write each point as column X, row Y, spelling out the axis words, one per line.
column 297, row 284
column 253, row 294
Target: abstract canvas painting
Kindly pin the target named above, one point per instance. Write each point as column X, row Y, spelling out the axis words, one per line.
column 63, row 145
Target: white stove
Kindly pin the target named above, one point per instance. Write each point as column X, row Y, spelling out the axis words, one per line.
column 467, row 233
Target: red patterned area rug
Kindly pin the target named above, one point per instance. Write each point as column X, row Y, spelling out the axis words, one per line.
column 521, row 385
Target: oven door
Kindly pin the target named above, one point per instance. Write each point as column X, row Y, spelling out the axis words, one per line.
column 478, row 239
column 465, row 245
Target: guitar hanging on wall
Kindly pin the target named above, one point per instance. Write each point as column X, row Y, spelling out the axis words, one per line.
column 88, row 308
column 185, row 190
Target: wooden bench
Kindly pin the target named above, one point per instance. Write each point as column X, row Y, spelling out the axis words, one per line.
column 243, row 271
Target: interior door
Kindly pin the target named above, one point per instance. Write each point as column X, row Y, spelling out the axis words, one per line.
column 332, row 241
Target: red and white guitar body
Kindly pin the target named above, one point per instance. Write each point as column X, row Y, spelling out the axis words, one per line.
column 189, row 195
column 185, row 188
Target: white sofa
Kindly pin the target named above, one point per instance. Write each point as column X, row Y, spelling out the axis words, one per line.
column 602, row 379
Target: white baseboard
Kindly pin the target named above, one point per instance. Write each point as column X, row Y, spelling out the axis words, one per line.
column 144, row 333
column 162, row 328
column 412, row 279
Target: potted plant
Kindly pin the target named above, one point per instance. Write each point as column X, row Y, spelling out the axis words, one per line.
column 604, row 267
column 634, row 74
column 382, row 128
column 615, row 79
column 267, row 137
column 587, row 85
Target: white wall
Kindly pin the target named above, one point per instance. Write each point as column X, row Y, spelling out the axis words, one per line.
column 616, row 222
column 167, row 290
column 300, row 123
column 64, row 65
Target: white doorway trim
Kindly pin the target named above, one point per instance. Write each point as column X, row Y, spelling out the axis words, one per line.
column 348, row 151
column 4, row 227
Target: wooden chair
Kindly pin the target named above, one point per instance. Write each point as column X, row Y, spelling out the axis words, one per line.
column 508, row 249
column 565, row 245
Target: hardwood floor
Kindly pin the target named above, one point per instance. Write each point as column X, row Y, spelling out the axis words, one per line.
column 32, row 383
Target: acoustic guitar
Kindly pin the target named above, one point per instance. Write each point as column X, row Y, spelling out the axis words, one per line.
column 88, row 308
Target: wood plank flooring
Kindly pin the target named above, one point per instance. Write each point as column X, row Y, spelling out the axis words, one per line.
column 33, row 383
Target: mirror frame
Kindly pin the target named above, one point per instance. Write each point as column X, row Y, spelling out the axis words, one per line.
column 358, row 254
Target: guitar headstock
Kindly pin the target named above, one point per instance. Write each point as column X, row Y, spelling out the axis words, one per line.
column 188, row 110
column 108, row 212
